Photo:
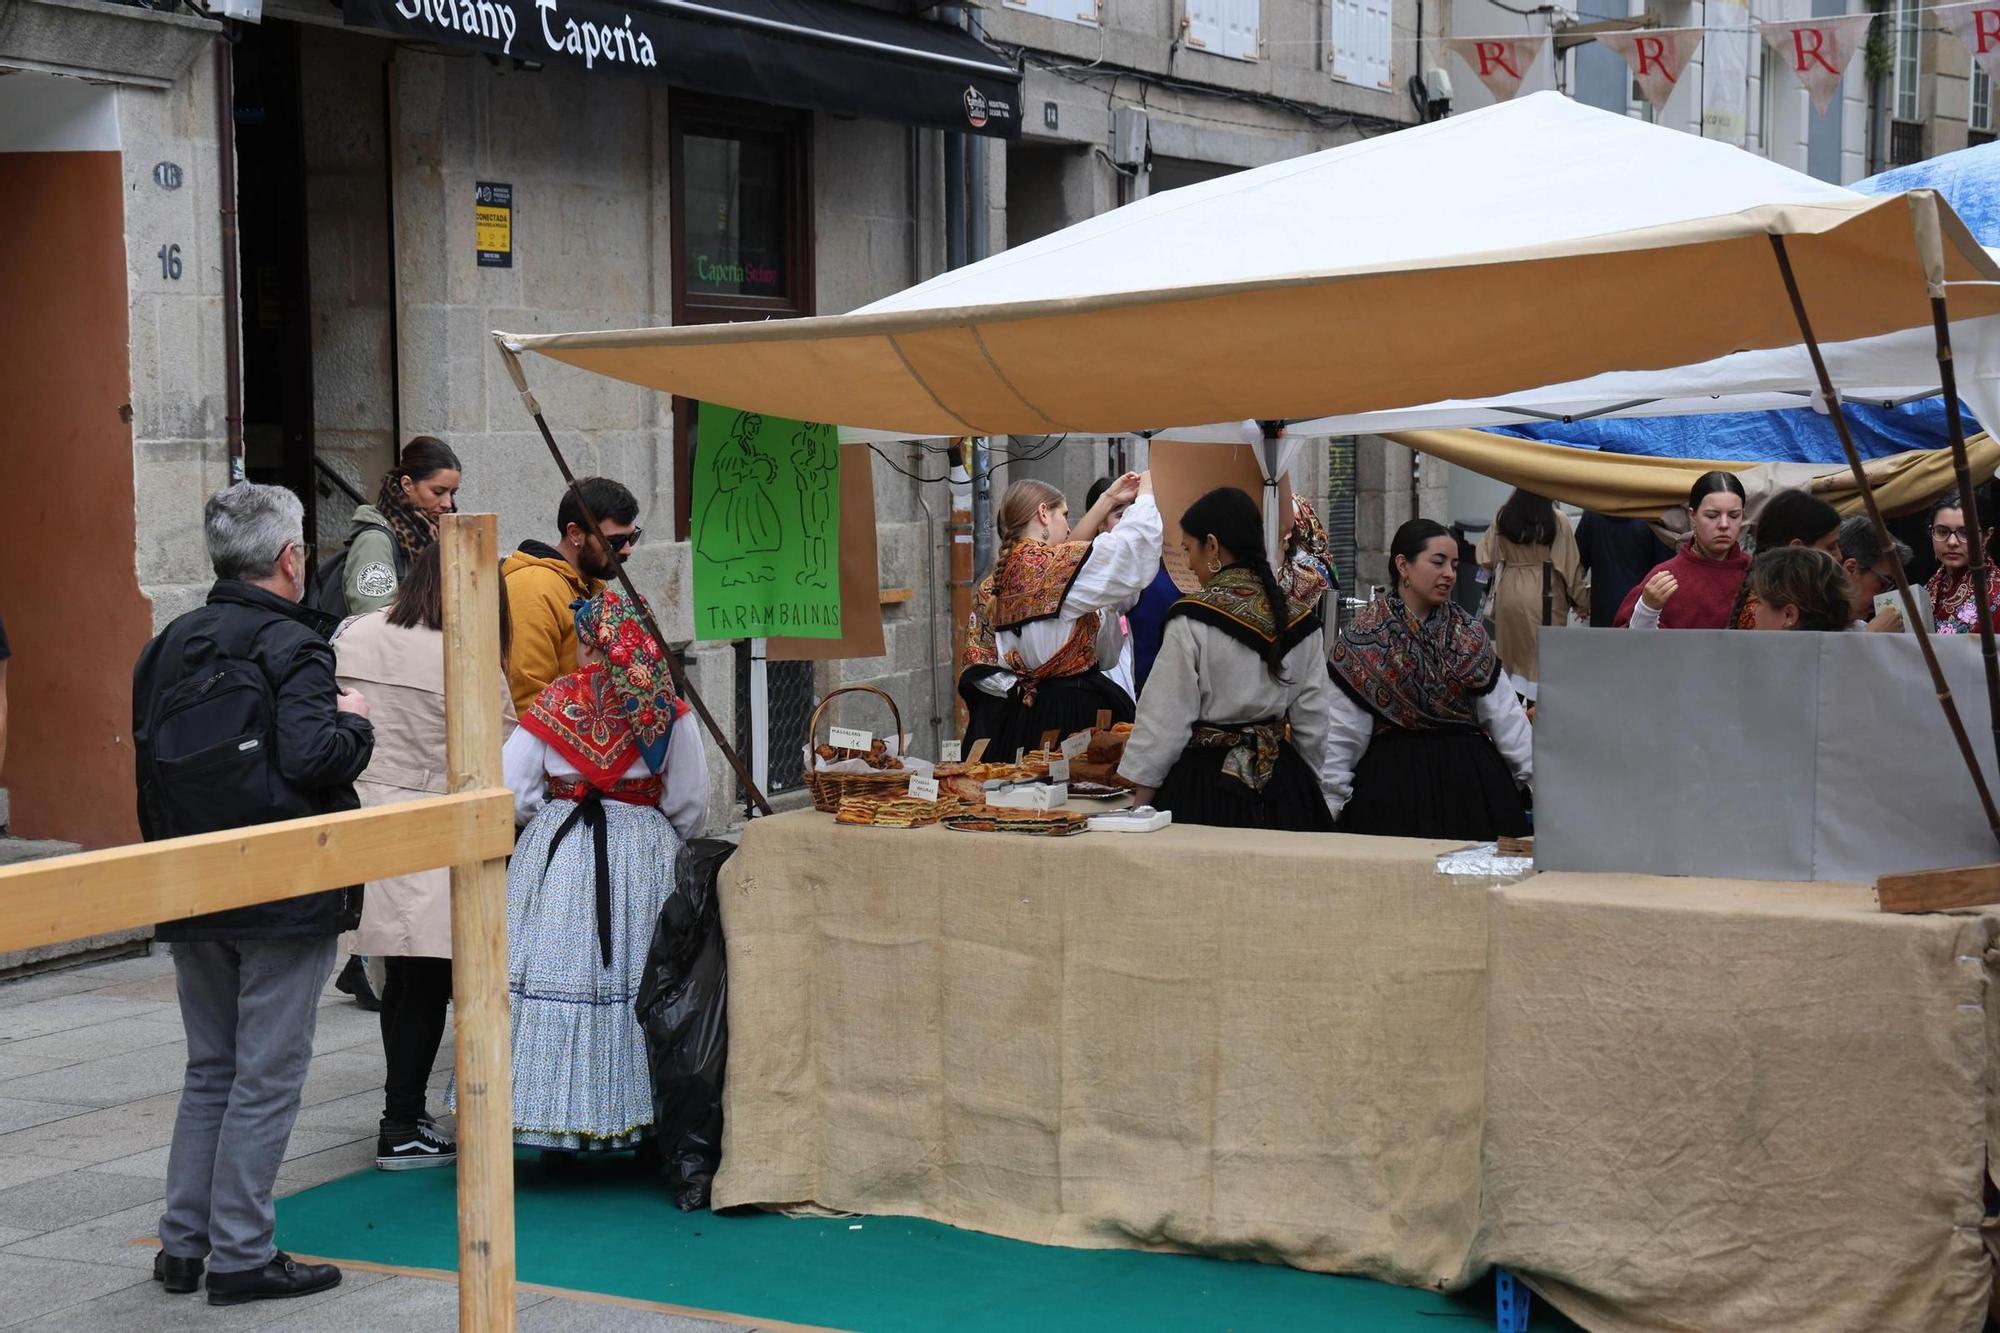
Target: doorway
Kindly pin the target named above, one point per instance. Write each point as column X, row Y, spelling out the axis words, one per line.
column 275, row 288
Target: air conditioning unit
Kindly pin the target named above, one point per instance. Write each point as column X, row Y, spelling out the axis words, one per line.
column 1128, row 136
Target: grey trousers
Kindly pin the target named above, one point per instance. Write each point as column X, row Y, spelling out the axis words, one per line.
column 249, row 1007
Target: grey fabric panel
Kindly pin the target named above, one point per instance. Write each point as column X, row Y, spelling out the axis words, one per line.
column 1893, row 793
column 1676, row 752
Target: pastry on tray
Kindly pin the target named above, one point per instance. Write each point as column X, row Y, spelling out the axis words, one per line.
column 1046, row 823
column 892, row 811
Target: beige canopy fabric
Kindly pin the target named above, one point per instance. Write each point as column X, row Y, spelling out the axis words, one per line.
column 1530, row 243
column 1631, row 486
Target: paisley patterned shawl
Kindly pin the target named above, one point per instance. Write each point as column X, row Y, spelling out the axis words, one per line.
column 1032, row 581
column 980, row 649
column 1418, row 675
column 1234, row 602
column 581, row 716
column 1308, row 554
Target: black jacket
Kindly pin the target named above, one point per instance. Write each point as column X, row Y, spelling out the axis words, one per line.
column 320, row 750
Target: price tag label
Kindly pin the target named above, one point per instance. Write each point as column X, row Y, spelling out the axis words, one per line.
column 978, row 751
column 846, row 738
column 1059, row 771
column 924, row 789
column 948, row 753
column 1073, row 746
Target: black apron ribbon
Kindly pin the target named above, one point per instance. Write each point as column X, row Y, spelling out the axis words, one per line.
column 590, row 811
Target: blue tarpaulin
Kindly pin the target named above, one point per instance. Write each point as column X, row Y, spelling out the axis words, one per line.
column 1970, row 182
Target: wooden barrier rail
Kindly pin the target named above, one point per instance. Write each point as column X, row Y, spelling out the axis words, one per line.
column 96, row 893
column 471, row 831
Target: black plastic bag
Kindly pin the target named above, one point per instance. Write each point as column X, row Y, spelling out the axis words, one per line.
column 683, row 1009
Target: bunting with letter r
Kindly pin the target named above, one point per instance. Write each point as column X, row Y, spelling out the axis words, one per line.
column 1817, row 51
column 1977, row 27
column 1501, row 63
column 1657, row 57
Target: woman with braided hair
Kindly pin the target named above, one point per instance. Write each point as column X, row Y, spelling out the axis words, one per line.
column 1232, row 723
column 1044, row 623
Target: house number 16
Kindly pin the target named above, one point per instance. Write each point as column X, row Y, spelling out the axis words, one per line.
column 170, row 262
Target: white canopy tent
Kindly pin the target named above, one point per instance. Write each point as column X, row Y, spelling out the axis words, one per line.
column 1536, row 242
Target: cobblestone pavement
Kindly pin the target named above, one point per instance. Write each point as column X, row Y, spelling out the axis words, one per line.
column 90, row 1071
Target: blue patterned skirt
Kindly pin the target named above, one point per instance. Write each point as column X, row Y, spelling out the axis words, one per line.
column 581, row 1080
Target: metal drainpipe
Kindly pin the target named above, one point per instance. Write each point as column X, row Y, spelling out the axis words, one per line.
column 232, row 302
column 976, row 242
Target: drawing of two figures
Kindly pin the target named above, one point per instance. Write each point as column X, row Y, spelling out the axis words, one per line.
column 741, row 526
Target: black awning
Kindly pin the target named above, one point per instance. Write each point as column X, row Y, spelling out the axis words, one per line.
column 822, row 55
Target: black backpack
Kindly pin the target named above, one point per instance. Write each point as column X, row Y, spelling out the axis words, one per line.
column 208, row 747
column 329, row 590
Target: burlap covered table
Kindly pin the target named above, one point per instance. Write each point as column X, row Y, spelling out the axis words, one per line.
column 1718, row 1104
column 1673, row 1104
column 1266, row 1045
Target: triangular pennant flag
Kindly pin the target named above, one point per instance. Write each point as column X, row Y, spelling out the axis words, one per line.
column 1656, row 57
column 1500, row 62
column 1817, row 50
column 1977, row 28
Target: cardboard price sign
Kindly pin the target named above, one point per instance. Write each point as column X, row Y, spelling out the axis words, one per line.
column 1183, row 473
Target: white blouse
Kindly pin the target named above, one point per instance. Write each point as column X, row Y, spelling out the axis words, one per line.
column 1206, row 675
column 1350, row 727
column 1120, row 566
column 529, row 762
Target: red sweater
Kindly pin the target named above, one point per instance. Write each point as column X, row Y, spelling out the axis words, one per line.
column 1706, row 594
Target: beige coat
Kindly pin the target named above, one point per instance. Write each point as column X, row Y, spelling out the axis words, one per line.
column 401, row 674
column 1517, row 606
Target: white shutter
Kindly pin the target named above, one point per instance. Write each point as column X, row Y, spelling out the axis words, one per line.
column 1376, row 30
column 1067, row 11
column 1346, row 28
column 1240, row 22
column 1204, row 25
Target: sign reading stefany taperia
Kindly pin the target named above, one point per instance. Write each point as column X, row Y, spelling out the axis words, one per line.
column 766, row 527
column 493, row 223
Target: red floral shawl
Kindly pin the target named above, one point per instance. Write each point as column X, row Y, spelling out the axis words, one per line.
column 1032, row 581
column 584, row 719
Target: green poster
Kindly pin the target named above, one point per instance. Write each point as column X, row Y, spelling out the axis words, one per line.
column 766, row 526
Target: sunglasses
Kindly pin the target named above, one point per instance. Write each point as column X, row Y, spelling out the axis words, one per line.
column 624, row 541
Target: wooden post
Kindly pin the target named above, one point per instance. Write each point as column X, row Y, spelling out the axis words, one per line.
column 473, row 691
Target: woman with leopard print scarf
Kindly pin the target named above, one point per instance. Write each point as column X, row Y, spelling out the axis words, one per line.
column 385, row 538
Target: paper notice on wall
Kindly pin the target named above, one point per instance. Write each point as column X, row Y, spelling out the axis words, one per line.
column 1725, row 72
column 766, row 527
column 1183, row 473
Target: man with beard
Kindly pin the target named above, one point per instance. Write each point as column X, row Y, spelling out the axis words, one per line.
column 543, row 581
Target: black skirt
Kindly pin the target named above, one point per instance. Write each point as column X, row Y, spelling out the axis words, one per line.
column 1434, row 784
column 1198, row 793
column 1065, row 705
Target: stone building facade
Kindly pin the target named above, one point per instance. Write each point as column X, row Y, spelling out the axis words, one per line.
column 365, row 315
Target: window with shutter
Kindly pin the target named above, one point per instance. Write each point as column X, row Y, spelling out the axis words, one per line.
column 1361, row 33
column 1240, row 22
column 1066, row 11
column 1204, row 25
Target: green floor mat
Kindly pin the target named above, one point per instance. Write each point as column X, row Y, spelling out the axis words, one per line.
column 599, row 1228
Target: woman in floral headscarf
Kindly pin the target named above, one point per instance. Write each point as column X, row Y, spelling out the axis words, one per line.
column 609, row 777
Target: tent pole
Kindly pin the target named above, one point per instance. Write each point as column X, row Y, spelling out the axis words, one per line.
column 1976, row 549
column 1910, row 616
column 1272, row 522
column 682, row 684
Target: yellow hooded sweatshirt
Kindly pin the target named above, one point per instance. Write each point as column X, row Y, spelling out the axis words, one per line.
column 540, row 588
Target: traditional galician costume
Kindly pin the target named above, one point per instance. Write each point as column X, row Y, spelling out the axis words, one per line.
column 609, row 776
column 1421, row 742
column 1222, row 739
column 1045, row 627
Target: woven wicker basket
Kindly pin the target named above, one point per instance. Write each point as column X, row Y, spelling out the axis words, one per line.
column 828, row 788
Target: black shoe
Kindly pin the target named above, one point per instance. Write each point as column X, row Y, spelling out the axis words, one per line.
column 181, row 1276
column 353, row 980
column 406, row 1149
column 278, row 1280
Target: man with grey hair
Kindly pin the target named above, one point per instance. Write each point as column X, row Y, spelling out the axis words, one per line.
column 237, row 720
column 1869, row 572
